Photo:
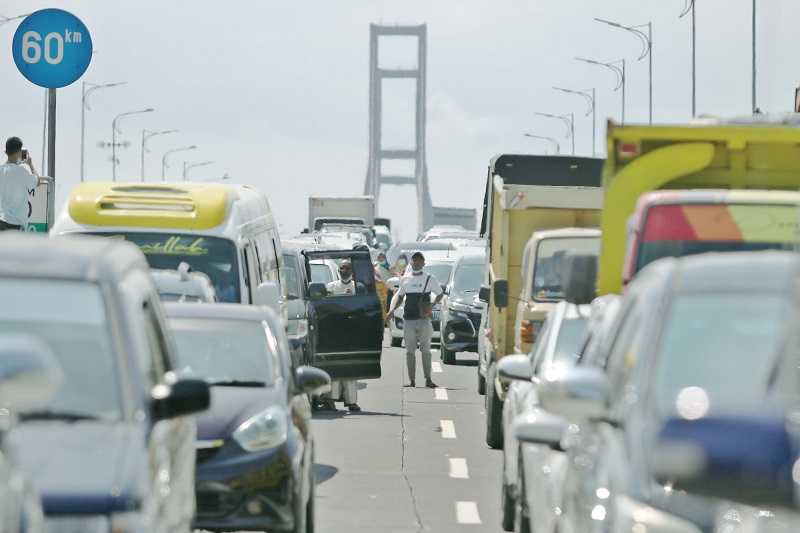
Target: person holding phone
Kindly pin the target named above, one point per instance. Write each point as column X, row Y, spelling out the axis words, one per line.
column 15, row 183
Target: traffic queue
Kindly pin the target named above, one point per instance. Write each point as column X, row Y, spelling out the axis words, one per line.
column 645, row 379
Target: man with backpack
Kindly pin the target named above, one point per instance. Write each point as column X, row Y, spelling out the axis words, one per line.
column 415, row 288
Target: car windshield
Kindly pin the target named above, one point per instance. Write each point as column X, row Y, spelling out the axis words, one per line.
column 549, row 255
column 440, row 271
column 223, row 350
column 571, row 338
column 215, row 257
column 719, row 351
column 70, row 316
column 321, row 273
column 291, row 276
column 468, row 277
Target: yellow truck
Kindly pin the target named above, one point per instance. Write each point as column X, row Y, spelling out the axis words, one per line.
column 753, row 154
column 524, row 194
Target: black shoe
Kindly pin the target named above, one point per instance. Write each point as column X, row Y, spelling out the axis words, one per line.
column 328, row 405
column 411, row 384
column 430, row 384
column 354, row 408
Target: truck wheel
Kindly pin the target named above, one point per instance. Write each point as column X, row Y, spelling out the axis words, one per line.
column 494, row 413
column 481, row 383
column 448, row 357
column 397, row 342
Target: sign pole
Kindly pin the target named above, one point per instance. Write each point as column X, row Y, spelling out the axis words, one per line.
column 51, row 154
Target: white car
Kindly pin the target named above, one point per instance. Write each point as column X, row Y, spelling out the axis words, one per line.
column 183, row 285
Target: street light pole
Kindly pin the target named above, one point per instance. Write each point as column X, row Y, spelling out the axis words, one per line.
column 690, row 8
column 544, row 138
column 569, row 120
column 167, row 153
column 755, row 99
column 647, row 50
column 620, row 72
column 147, row 134
column 592, row 101
column 188, row 166
column 114, row 137
column 84, row 106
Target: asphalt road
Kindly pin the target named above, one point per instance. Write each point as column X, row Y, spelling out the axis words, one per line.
column 414, row 460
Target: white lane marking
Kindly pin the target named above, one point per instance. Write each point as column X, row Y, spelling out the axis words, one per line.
column 448, row 429
column 458, row 468
column 467, row 513
column 441, row 394
column 436, row 367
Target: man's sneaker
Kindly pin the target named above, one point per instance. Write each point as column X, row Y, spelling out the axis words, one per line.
column 411, row 384
column 430, row 384
column 354, row 408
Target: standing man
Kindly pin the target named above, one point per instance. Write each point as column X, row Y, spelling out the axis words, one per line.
column 343, row 390
column 415, row 288
column 15, row 182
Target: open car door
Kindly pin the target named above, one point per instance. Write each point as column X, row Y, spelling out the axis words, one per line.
column 349, row 327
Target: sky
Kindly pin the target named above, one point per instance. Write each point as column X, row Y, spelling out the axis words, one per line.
column 276, row 93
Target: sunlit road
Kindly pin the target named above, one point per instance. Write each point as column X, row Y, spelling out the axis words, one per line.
column 413, row 460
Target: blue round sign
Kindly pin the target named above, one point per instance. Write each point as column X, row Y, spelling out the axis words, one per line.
column 52, row 48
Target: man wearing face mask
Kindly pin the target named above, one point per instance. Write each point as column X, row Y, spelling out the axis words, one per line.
column 415, row 288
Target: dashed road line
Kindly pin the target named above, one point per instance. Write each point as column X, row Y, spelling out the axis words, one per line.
column 467, row 513
column 440, row 393
column 458, row 468
column 436, row 366
column 448, row 429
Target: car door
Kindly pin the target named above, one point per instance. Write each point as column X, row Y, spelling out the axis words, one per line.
column 349, row 327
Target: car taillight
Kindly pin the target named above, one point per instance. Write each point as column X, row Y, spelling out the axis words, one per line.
column 628, row 150
column 527, row 331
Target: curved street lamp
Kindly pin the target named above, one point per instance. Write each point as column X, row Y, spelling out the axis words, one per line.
column 569, row 120
column 544, row 138
column 188, row 166
column 114, row 131
column 589, row 95
column 647, row 48
column 690, row 8
column 619, row 72
column 146, row 135
column 167, row 154
column 87, row 89
column 4, row 19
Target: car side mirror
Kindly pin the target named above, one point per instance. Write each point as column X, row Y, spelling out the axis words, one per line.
column 180, row 398
column 515, row 368
column 484, row 294
column 269, row 295
column 29, row 373
column 393, row 283
column 710, row 457
column 312, row 380
column 500, row 290
column 540, row 427
column 579, row 278
column 317, row 291
column 578, row 394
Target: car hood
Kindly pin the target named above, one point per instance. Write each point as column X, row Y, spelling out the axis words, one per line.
column 230, row 406
column 84, row 467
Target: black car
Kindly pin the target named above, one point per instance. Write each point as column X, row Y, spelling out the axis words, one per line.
column 302, row 316
column 461, row 309
column 255, row 449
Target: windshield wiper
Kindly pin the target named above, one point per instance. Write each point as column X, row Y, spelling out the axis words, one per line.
column 237, row 383
column 50, row 414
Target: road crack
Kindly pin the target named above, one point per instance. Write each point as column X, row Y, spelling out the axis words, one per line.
column 412, row 494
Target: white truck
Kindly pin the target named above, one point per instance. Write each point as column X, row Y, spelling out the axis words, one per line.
column 340, row 210
column 455, row 216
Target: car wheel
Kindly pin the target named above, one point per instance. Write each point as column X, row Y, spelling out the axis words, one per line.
column 481, row 383
column 509, row 506
column 448, row 357
column 494, row 413
column 397, row 342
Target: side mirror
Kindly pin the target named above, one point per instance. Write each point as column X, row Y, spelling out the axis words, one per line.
column 393, row 283
column 500, row 290
column 711, row 456
column 515, row 367
column 579, row 278
column 317, row 291
column 269, row 295
column 484, row 294
column 578, row 394
column 540, row 427
column 29, row 373
column 183, row 397
column 312, row 380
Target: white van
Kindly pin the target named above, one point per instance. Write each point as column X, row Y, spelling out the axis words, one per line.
column 225, row 231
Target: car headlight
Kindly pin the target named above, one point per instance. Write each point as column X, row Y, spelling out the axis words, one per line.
column 458, row 308
column 265, row 430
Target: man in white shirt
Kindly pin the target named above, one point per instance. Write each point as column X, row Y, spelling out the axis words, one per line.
column 415, row 288
column 15, row 182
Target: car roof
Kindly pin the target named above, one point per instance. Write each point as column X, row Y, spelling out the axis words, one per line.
column 472, row 258
column 74, row 257
column 219, row 311
column 739, row 196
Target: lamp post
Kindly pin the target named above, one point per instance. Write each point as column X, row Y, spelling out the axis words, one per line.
column 167, row 154
column 755, row 94
column 690, row 8
column 87, row 89
column 4, row 19
column 188, row 166
column 147, row 134
column 544, row 138
column 569, row 120
column 620, row 72
column 647, row 50
column 592, row 101
column 114, row 137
